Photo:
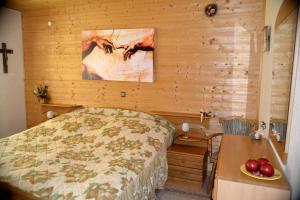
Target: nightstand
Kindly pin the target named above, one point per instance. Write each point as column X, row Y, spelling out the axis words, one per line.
column 58, row 109
column 187, row 158
column 187, row 163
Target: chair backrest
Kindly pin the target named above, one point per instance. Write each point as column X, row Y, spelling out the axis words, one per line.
column 238, row 126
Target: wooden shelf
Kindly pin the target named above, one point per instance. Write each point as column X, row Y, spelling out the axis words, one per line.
column 177, row 114
column 189, row 139
column 57, row 108
column 178, row 118
column 196, row 138
column 60, row 105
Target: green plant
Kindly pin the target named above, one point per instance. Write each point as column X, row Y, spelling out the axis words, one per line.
column 41, row 92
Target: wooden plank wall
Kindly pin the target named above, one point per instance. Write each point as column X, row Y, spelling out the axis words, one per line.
column 200, row 62
column 284, row 46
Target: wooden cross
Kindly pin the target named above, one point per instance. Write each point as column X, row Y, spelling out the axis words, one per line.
column 4, row 52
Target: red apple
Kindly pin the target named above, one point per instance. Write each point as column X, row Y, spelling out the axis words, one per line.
column 262, row 161
column 267, row 170
column 252, row 165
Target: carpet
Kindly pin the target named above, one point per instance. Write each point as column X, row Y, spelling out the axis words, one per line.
column 176, row 195
column 181, row 190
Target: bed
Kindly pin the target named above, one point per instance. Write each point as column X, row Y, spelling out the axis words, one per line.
column 90, row 153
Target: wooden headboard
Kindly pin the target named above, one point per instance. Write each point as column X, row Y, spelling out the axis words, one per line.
column 178, row 118
column 196, row 126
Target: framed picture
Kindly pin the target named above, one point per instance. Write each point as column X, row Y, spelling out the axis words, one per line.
column 118, row 55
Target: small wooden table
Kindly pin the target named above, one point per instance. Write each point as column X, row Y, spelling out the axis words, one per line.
column 231, row 183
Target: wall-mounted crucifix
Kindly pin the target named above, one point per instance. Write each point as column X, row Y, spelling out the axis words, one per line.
column 4, row 52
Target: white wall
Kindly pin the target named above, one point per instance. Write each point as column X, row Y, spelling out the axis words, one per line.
column 293, row 161
column 12, row 98
column 272, row 8
column 292, row 168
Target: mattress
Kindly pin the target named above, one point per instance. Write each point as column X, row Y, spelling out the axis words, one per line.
column 90, row 153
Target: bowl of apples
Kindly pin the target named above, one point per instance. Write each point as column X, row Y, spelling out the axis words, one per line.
column 260, row 169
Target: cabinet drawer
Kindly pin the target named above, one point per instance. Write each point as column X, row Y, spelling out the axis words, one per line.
column 185, row 173
column 188, row 182
column 177, row 154
column 185, row 162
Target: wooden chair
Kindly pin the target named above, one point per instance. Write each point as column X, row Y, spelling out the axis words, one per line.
column 238, row 125
column 212, row 158
column 231, row 125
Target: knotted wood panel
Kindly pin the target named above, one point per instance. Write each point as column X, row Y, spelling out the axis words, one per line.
column 200, row 63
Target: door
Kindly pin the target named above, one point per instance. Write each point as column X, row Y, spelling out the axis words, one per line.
column 12, row 98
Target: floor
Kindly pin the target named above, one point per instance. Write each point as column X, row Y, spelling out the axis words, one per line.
column 179, row 190
column 174, row 195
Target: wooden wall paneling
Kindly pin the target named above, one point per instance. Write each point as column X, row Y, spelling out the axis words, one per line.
column 195, row 57
column 284, row 44
column 285, row 10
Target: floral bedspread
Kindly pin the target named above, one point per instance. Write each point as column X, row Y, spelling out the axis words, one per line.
column 90, row 153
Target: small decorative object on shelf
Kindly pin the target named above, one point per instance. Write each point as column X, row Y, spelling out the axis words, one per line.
column 263, row 125
column 258, row 135
column 41, row 92
column 204, row 114
column 185, row 128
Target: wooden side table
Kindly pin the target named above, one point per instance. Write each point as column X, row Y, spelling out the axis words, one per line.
column 187, row 163
column 189, row 153
column 58, row 109
column 187, row 158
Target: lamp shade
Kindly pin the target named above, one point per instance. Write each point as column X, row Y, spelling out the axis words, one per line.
column 185, row 127
column 50, row 114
